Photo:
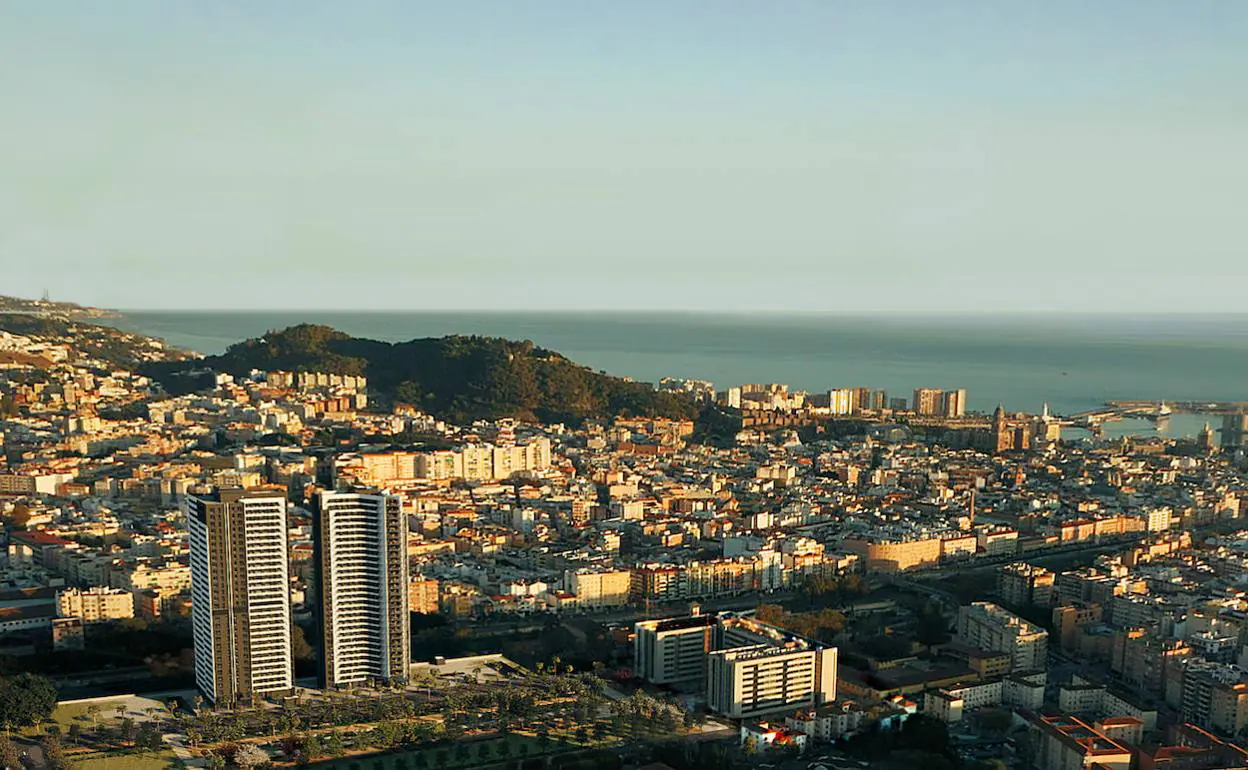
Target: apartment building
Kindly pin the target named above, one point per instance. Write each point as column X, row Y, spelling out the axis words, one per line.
column 1023, row 585
column 1215, row 697
column 928, row 401
column 240, row 588
column 895, row 555
column 360, row 543
column 95, row 605
column 989, row 627
column 422, row 595
column 596, row 589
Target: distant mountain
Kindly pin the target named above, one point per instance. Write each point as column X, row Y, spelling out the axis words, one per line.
column 457, row 378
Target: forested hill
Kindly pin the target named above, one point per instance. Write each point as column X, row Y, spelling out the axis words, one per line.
column 457, row 378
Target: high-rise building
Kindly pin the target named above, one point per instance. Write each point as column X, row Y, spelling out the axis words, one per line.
column 927, row 401
column 360, row 543
column 953, row 403
column 1234, row 429
column 240, row 590
column 841, row 401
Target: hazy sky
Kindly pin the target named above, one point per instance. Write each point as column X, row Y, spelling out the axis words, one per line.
column 781, row 154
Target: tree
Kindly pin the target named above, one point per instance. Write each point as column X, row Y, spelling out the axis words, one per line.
column 25, row 699
column 9, row 755
column 312, row 747
column 53, row 753
column 129, row 732
column 74, row 733
column 148, row 738
column 216, row 761
column 995, row 720
column 93, row 711
column 250, row 755
column 333, row 745
column 931, row 627
column 120, row 711
column 925, row 733
column 299, row 644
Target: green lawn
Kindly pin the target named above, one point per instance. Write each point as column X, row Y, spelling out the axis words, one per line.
column 77, row 712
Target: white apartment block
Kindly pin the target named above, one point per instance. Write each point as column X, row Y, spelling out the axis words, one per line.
column 361, row 550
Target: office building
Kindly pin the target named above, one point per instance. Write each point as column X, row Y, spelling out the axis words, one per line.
column 986, row 626
column 360, row 542
column 240, row 589
column 673, row 651
column 769, row 678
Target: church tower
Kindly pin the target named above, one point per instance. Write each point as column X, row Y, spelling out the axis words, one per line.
column 1002, row 436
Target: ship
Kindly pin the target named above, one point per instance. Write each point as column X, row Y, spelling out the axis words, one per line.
column 1160, row 414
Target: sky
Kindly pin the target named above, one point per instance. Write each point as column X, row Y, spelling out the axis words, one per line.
column 809, row 155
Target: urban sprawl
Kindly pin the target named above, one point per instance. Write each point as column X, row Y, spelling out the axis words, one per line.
column 283, row 569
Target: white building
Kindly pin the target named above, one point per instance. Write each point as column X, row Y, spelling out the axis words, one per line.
column 765, row 679
column 749, row 668
column 361, row 544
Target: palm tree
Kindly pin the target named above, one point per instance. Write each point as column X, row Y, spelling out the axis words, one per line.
column 121, row 711
column 93, row 711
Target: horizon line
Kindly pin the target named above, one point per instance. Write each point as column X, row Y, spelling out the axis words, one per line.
column 962, row 313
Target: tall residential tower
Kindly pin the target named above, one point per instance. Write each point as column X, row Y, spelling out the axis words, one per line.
column 361, row 556
column 240, row 590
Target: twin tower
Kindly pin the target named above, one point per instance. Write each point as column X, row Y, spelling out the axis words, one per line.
column 240, row 592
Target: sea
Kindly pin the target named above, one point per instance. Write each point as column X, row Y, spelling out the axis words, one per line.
column 1072, row 363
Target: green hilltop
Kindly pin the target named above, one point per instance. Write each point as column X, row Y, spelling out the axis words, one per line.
column 457, row 378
